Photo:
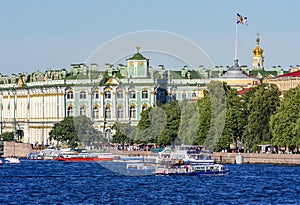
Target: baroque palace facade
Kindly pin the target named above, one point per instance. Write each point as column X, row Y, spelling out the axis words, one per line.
column 30, row 104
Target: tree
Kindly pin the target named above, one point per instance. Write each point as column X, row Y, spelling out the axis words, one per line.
column 120, row 137
column 261, row 104
column 189, row 122
column 216, row 121
column 7, row 136
column 204, row 118
column 86, row 133
column 64, row 131
column 170, row 132
column 235, row 119
column 285, row 123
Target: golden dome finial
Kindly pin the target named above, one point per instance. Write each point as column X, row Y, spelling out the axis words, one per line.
column 138, row 47
column 257, row 39
column 257, row 51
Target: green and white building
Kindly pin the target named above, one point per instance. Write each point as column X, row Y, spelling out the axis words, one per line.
column 30, row 104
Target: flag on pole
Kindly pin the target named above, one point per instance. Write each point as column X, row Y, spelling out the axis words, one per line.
column 241, row 19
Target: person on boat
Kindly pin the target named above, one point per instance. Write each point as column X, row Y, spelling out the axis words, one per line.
column 186, row 168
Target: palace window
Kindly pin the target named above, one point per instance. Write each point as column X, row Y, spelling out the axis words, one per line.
column 132, row 111
column 119, row 93
column 70, row 111
column 96, row 94
column 82, row 110
column 120, row 112
column 82, row 95
column 183, row 96
column 132, row 94
column 96, row 112
column 194, row 95
column 144, row 107
column 70, row 95
column 107, row 94
column 144, row 94
column 107, row 112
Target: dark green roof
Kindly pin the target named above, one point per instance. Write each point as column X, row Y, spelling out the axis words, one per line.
column 137, row 56
column 263, row 72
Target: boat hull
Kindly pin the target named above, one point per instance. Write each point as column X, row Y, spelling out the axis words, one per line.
column 81, row 159
column 191, row 173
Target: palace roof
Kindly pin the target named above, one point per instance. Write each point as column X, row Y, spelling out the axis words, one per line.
column 292, row 74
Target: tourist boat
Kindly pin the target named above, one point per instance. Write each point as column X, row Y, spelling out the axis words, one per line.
column 140, row 168
column 11, row 160
column 192, row 161
column 192, row 169
column 84, row 157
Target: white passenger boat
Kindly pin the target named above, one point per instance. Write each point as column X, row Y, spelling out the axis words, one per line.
column 192, row 161
column 11, row 160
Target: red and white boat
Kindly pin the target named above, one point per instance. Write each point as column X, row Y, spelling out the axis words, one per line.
column 84, row 157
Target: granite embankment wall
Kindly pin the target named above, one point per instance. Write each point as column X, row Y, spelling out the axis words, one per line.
column 229, row 158
column 16, row 149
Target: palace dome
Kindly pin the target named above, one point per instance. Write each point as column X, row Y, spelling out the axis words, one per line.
column 137, row 56
column 257, row 51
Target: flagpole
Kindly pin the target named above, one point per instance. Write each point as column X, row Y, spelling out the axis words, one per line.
column 236, row 41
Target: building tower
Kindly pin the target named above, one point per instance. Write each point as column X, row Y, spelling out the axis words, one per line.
column 258, row 58
column 137, row 65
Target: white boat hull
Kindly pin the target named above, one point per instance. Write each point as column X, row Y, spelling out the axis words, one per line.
column 11, row 160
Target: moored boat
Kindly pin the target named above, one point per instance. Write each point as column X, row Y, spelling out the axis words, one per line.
column 192, row 161
column 84, row 157
column 11, row 160
column 192, row 169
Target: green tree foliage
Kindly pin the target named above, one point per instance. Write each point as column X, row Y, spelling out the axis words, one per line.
column 7, row 136
column 64, row 131
column 153, row 121
column 235, row 119
column 218, row 114
column 285, row 123
column 204, row 118
column 86, row 133
column 189, row 122
column 260, row 103
column 168, row 135
column 120, row 137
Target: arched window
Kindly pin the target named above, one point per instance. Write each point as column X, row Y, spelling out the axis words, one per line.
column 145, row 106
column 96, row 112
column 183, row 96
column 145, row 94
column 119, row 93
column 96, row 94
column 132, row 111
column 107, row 94
column 107, row 112
column 120, row 112
column 82, row 95
column 82, row 110
column 70, row 111
column 194, row 94
column 132, row 94
column 70, row 94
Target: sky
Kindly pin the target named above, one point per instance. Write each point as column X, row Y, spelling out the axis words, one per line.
column 36, row 35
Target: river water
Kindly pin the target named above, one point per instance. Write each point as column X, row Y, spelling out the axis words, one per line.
column 51, row 182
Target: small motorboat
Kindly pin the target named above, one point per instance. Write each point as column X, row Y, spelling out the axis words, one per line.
column 11, row 160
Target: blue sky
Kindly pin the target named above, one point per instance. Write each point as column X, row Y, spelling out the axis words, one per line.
column 37, row 34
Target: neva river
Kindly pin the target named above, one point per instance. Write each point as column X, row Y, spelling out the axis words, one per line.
column 50, row 182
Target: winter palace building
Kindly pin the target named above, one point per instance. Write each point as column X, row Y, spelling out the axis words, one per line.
column 30, row 104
